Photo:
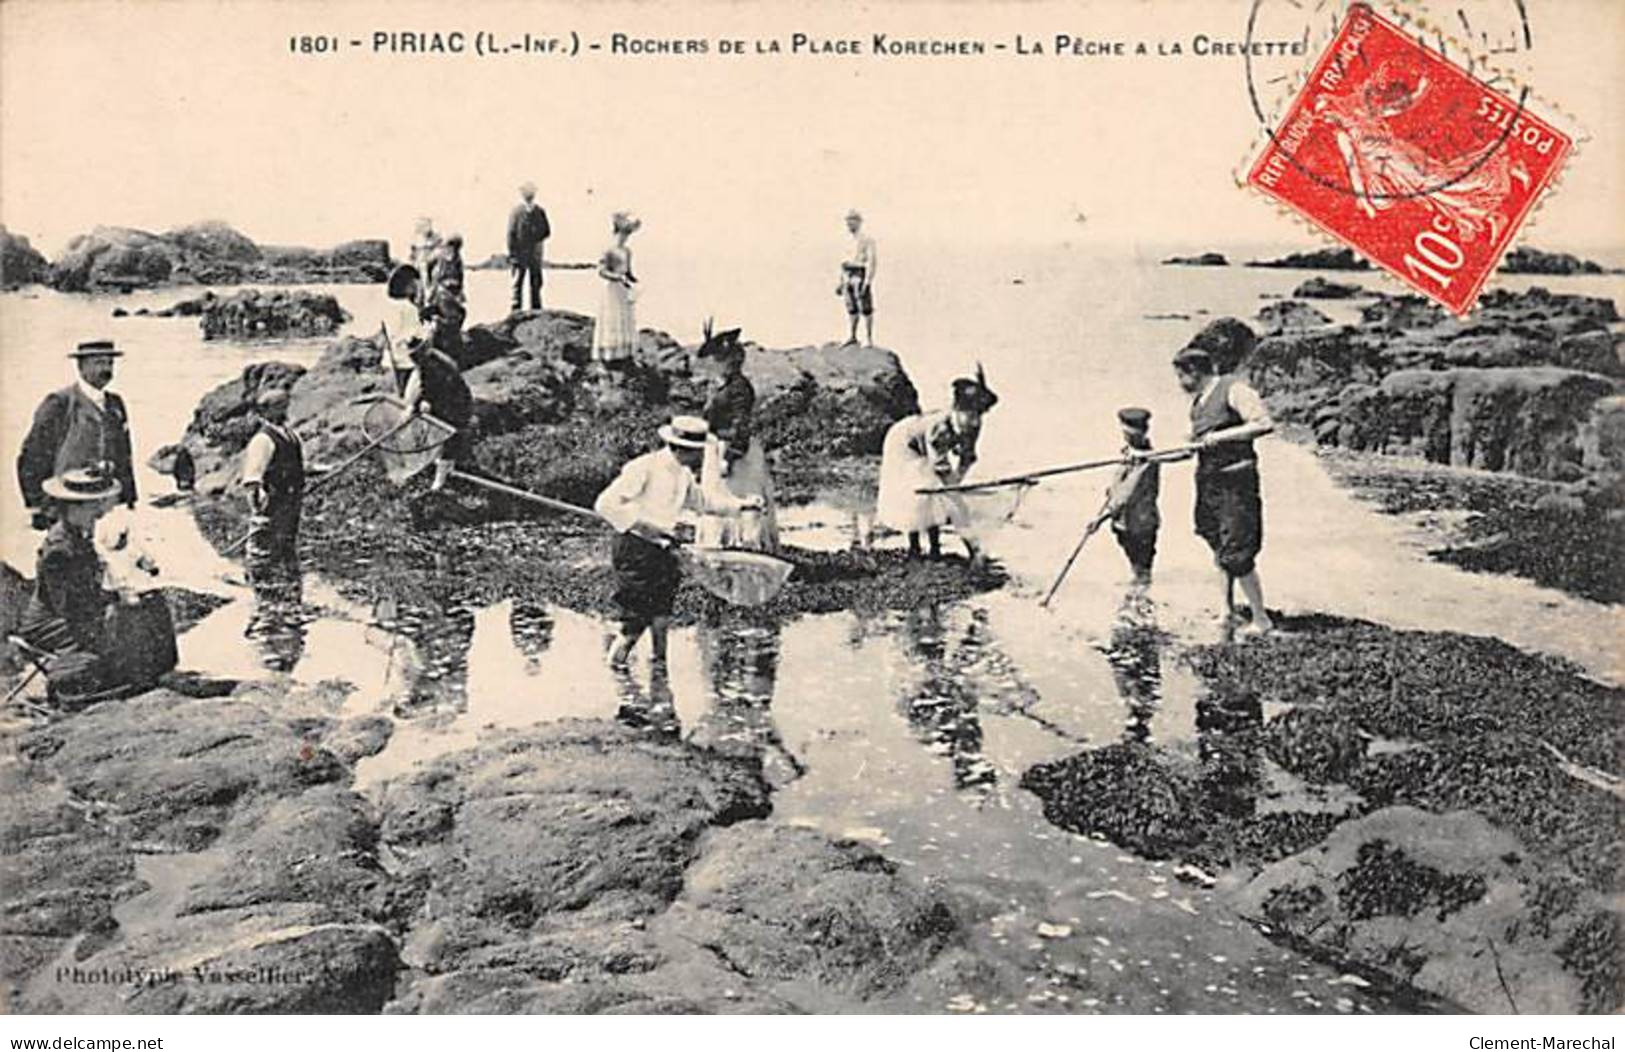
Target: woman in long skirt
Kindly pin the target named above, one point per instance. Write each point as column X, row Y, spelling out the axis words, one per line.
column 615, row 336
column 929, row 450
column 735, row 461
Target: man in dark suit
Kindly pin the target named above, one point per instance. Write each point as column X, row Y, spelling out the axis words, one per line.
column 81, row 425
column 527, row 229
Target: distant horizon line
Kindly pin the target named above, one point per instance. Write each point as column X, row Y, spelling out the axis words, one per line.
column 1613, row 253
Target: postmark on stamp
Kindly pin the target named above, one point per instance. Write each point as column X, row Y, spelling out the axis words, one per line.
column 1410, row 160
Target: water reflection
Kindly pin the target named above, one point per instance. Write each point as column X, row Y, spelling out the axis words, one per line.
column 942, row 707
column 443, row 637
column 1230, row 746
column 1134, row 654
column 741, row 669
column 531, row 627
column 277, row 621
column 653, row 708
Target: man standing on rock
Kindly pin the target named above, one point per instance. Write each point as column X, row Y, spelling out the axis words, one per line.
column 858, row 279
column 82, row 425
column 274, row 479
column 1227, row 415
column 527, row 230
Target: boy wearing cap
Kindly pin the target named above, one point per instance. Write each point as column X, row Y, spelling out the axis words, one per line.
column 643, row 504
column 78, row 426
column 1133, row 496
column 1227, row 415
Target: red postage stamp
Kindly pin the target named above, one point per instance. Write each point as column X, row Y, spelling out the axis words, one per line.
column 1409, row 160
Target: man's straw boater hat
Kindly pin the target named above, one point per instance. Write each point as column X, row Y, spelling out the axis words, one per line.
column 81, row 484
column 96, row 349
column 687, row 432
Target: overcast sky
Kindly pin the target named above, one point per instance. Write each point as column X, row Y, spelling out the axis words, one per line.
column 160, row 113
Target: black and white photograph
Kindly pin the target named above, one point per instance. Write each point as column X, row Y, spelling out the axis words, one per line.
column 750, row 508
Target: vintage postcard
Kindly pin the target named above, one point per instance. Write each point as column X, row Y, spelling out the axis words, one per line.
column 749, row 508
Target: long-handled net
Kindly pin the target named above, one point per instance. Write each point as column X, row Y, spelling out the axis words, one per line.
column 735, row 577
column 406, row 443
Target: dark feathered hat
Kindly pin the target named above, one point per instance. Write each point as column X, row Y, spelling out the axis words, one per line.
column 973, row 393
column 723, row 344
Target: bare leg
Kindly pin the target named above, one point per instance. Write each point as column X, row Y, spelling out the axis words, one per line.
column 657, row 639
column 1253, row 589
column 852, row 338
column 869, row 328
column 621, row 649
column 442, row 471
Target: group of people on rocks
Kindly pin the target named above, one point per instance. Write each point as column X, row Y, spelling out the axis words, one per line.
column 75, row 465
column 76, row 461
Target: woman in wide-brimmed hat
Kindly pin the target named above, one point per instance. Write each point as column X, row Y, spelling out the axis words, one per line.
column 615, row 336
column 735, row 461
column 929, row 450
column 65, row 616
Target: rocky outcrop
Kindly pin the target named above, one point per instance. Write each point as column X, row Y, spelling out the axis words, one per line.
column 546, row 422
column 1286, row 315
column 1447, row 904
column 208, row 253
column 589, row 868
column 1526, row 420
column 171, row 855
column 1206, row 259
column 1510, row 388
column 1318, row 288
column 253, row 314
column 20, row 263
column 1318, row 259
column 1527, row 260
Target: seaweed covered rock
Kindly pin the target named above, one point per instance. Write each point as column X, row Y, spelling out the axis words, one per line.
column 1131, row 793
column 1289, row 314
column 20, row 263
column 1318, row 288
column 1510, row 388
column 1524, row 420
column 1205, row 259
column 1315, row 744
column 1527, row 260
column 1446, row 904
column 253, row 314
column 1316, row 259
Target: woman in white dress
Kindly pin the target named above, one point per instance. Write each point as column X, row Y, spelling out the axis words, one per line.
column 615, row 336
column 928, row 450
